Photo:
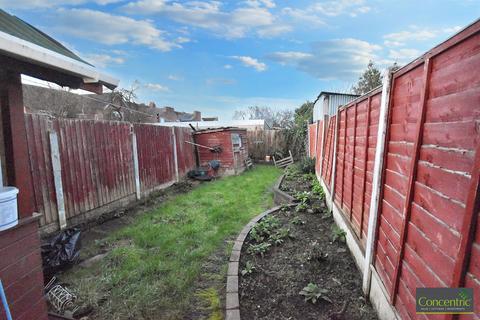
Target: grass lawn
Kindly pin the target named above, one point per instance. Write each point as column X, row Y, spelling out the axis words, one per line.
column 152, row 269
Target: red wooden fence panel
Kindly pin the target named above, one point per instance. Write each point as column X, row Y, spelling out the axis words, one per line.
column 97, row 167
column 41, row 166
column 318, row 154
column 433, row 134
column 328, row 153
column 155, row 155
column 185, row 151
column 312, row 132
column 356, row 144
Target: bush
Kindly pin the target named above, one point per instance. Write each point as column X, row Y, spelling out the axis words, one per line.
column 307, row 165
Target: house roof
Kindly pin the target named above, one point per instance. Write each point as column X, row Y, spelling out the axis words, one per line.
column 22, row 41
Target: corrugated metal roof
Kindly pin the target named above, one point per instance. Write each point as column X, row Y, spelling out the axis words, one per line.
column 20, row 29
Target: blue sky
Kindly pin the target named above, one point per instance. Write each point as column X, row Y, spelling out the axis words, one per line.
column 219, row 56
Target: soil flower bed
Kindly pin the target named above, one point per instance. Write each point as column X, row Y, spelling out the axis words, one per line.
column 295, row 264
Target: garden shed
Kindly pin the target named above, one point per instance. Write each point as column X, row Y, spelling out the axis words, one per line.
column 227, row 145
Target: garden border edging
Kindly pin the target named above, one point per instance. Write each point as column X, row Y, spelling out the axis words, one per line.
column 279, row 196
column 232, row 301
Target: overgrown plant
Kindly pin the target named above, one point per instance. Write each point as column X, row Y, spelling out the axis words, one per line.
column 249, row 268
column 307, row 165
column 338, row 234
column 313, row 293
column 317, row 189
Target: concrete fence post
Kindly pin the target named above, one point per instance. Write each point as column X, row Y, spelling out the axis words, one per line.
column 326, row 121
column 334, row 159
column 57, row 179
column 377, row 179
column 136, row 170
column 175, row 156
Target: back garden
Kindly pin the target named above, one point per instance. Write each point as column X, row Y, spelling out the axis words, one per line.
column 168, row 258
column 169, row 261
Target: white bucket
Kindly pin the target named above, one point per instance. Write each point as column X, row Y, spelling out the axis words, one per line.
column 8, row 207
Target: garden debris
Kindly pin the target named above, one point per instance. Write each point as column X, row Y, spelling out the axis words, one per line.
column 61, row 251
column 61, row 299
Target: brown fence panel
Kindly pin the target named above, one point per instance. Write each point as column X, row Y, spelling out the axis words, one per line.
column 96, row 158
column 312, row 132
column 41, row 166
column 328, row 154
column 357, row 133
column 318, row 154
column 155, row 155
column 425, row 213
column 185, row 151
column 263, row 143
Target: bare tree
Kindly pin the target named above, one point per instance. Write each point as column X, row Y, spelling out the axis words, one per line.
column 279, row 118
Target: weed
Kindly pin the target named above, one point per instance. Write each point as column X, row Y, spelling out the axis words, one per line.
column 284, row 208
column 338, row 234
column 315, row 253
column 279, row 236
column 327, row 215
column 301, row 207
column 264, row 229
column 212, row 300
column 303, row 197
column 307, row 165
column 317, row 189
column 249, row 268
column 297, row 221
column 313, row 293
column 260, row 248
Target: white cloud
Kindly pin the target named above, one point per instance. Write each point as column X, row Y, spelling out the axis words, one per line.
column 416, row 34
column 112, row 29
column 31, row 4
column 156, row 87
column 304, row 15
column 102, row 60
column 286, row 57
column 404, row 54
column 174, row 77
column 228, row 66
column 252, row 17
column 259, row 3
column 251, row 62
column 220, row 81
column 274, row 30
column 341, row 59
column 316, row 13
column 341, row 7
